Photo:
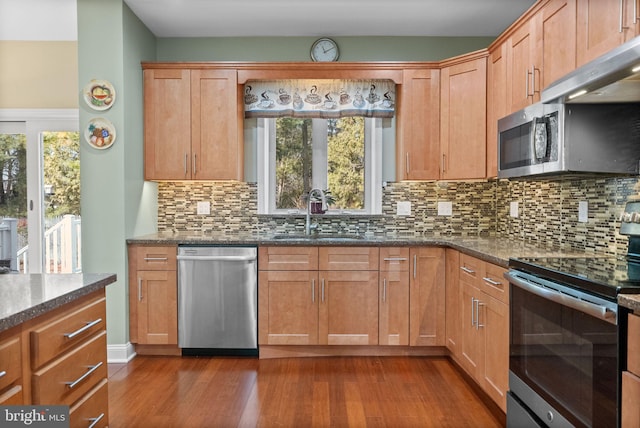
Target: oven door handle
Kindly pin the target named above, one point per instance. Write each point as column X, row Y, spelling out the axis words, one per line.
column 593, row 309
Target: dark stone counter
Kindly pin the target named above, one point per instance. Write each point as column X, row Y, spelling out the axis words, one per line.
column 27, row 296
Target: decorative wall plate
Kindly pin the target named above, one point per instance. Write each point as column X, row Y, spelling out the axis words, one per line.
column 100, row 133
column 99, row 94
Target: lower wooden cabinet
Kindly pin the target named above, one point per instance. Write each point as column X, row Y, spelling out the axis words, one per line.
column 11, row 368
column 153, row 295
column 427, row 297
column 326, row 307
column 60, row 358
column 288, row 307
column 631, row 377
column 484, row 326
column 393, row 296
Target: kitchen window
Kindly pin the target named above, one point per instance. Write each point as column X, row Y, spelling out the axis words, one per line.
column 343, row 155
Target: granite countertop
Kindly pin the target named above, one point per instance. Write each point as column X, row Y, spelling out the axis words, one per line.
column 630, row 301
column 26, row 296
column 493, row 250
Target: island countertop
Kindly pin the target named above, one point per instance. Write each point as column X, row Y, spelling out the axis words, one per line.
column 27, row 296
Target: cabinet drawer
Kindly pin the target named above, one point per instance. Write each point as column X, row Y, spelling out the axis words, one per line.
column 93, row 408
column 394, row 259
column 470, row 270
column 156, row 258
column 10, row 366
column 12, row 397
column 633, row 345
column 348, row 258
column 67, row 379
column 61, row 334
column 493, row 282
column 288, row 258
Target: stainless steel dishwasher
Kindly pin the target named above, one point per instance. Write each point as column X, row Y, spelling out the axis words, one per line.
column 218, row 300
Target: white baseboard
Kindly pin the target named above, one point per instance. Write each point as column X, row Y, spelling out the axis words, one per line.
column 120, row 353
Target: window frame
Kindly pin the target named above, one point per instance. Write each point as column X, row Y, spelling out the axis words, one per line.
column 266, row 140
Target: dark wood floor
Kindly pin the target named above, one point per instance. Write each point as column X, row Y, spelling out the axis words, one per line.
column 297, row 392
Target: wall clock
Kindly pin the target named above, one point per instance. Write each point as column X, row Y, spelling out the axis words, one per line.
column 325, row 49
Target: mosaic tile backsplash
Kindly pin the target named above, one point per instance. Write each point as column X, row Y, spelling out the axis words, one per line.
column 547, row 211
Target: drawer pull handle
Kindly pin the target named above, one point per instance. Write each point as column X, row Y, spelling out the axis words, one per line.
column 156, row 259
column 3, row 373
column 92, row 369
column 83, row 329
column 94, row 421
column 492, row 282
column 467, row 270
column 395, row 259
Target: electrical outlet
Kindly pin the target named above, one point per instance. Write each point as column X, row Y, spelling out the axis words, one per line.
column 583, row 211
column 403, row 208
column 513, row 209
column 204, row 208
column 445, row 208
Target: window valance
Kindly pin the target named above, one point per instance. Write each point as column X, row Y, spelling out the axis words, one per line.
column 319, row 98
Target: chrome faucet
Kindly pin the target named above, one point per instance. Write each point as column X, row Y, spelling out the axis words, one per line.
column 307, row 225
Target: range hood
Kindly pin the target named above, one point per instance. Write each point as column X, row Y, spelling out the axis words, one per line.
column 611, row 78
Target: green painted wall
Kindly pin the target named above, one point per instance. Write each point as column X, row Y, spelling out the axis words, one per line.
column 113, row 191
column 297, row 48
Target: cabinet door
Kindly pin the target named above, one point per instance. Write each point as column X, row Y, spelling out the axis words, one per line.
column 521, row 51
column 601, row 27
column 496, row 103
column 215, row 142
column 427, row 297
column 288, row 308
column 348, row 308
column 463, row 108
column 452, row 293
column 557, row 29
column 418, row 148
column 394, row 308
column 167, row 124
column 157, row 304
column 472, row 343
column 493, row 319
column 630, row 400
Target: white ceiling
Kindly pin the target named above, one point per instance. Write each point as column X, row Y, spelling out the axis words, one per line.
column 57, row 19
column 237, row 18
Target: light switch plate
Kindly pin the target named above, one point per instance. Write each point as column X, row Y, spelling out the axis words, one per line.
column 445, row 208
column 583, row 211
column 513, row 209
column 204, row 208
column 403, row 208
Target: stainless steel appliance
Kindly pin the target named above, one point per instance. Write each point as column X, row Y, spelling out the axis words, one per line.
column 545, row 139
column 217, row 300
column 612, row 77
column 566, row 335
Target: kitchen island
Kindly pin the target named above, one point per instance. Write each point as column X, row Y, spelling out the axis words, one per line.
column 53, row 346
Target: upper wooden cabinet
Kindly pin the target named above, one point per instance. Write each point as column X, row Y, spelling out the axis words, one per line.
column 463, row 118
column 418, row 147
column 192, row 124
column 496, row 103
column 540, row 49
column 603, row 25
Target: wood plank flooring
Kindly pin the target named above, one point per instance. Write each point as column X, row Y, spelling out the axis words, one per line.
column 294, row 392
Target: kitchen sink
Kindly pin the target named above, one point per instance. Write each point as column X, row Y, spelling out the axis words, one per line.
column 318, row 237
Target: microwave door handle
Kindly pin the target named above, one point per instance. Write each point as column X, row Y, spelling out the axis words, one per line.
column 588, row 308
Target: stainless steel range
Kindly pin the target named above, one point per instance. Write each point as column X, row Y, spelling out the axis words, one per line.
column 565, row 347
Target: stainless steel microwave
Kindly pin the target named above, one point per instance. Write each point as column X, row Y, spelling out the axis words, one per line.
column 549, row 139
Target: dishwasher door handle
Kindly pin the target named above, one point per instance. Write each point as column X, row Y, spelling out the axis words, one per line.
column 219, row 258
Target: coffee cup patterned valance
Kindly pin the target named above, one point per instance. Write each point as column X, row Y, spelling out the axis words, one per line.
column 319, row 98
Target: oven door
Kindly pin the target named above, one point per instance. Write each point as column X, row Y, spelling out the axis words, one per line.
column 563, row 353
